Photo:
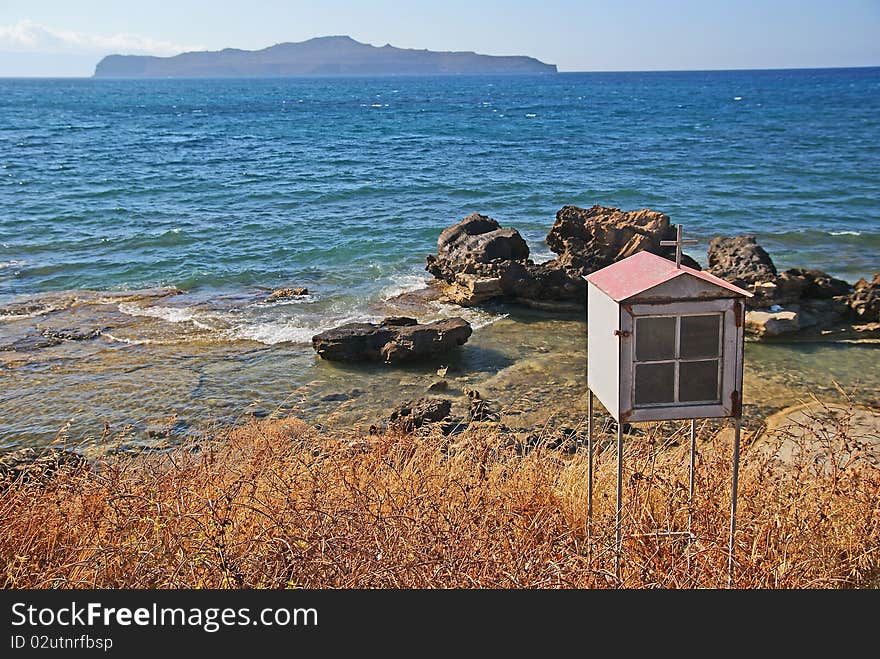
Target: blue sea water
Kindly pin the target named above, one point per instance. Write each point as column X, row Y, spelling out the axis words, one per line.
column 229, row 188
column 342, row 185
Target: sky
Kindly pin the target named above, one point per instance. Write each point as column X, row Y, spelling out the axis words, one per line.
column 68, row 37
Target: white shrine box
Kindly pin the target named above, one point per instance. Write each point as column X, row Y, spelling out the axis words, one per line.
column 664, row 341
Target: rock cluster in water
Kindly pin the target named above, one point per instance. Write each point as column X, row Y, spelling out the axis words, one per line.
column 478, row 260
column 798, row 300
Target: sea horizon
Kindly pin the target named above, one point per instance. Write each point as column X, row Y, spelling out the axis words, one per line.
column 468, row 75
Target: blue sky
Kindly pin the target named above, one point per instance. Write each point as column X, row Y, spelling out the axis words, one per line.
column 68, row 37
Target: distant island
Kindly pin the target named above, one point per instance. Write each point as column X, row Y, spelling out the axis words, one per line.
column 321, row 56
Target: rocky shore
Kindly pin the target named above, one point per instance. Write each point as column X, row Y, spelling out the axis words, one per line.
column 495, row 332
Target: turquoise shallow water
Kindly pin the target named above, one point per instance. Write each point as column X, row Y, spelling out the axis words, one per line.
column 225, row 188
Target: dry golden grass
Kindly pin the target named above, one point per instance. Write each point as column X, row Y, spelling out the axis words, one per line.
column 277, row 504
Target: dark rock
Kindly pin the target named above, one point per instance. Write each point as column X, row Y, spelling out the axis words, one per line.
column 546, row 282
column 740, row 260
column 818, row 284
column 480, row 409
column 28, row 463
column 822, row 313
column 398, row 321
column 352, row 342
column 472, row 255
column 414, row 414
column 744, row 263
column 30, row 343
column 865, row 300
column 453, row 426
column 392, row 343
column 439, row 385
column 284, row 293
column 479, row 239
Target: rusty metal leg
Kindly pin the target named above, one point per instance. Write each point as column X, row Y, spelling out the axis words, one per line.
column 617, row 523
column 691, row 490
column 736, row 433
column 590, row 429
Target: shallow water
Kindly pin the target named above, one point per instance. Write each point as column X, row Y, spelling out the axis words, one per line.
column 163, row 368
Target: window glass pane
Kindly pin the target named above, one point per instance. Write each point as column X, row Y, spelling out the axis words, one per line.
column 699, row 336
column 655, row 383
column 698, row 381
column 655, row 339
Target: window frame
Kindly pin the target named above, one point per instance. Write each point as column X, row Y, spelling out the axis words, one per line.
column 676, row 359
column 730, row 360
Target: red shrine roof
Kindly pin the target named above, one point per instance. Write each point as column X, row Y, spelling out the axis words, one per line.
column 642, row 271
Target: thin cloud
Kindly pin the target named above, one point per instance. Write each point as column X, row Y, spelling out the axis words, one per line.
column 28, row 36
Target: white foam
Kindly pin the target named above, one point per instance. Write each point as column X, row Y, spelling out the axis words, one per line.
column 845, row 233
column 478, row 318
column 273, row 332
column 542, row 255
column 401, row 284
column 168, row 314
column 737, row 98
column 289, row 330
column 285, row 301
column 531, row 116
column 10, row 264
column 134, row 342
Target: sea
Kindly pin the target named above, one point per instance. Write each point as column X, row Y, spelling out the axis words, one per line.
column 113, row 192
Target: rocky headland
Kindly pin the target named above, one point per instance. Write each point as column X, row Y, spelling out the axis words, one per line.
column 321, row 56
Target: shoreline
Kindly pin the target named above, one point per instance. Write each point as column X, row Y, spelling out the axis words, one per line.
column 153, row 367
column 165, row 389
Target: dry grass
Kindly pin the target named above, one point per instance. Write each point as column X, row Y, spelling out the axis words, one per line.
column 278, row 504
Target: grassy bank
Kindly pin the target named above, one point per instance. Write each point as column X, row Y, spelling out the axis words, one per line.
column 278, row 504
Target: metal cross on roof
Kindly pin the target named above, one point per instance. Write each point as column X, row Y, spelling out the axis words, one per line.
column 678, row 242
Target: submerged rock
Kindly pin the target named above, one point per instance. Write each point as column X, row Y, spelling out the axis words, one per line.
column 414, row 414
column 394, row 340
column 342, row 396
column 284, row 293
column 24, row 308
column 71, row 333
column 30, row 343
